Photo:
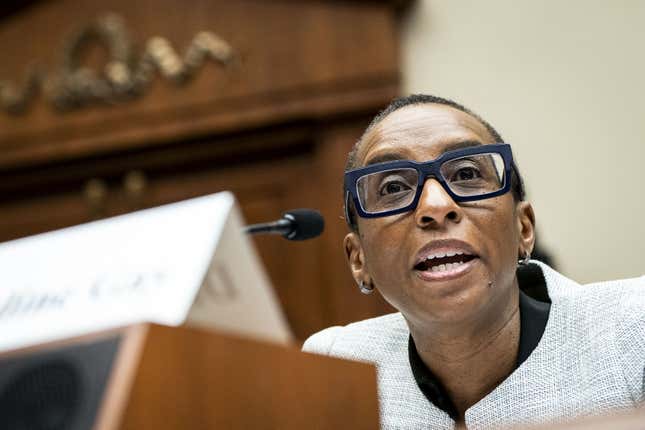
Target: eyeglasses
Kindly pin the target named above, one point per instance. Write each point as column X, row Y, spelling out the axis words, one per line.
column 473, row 173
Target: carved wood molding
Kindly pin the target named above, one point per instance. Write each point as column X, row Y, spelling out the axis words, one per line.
column 124, row 77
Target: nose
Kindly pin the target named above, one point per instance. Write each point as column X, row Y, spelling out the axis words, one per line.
column 436, row 208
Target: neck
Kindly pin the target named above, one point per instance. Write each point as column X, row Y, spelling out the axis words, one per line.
column 471, row 362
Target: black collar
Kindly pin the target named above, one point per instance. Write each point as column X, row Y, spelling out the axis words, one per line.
column 533, row 318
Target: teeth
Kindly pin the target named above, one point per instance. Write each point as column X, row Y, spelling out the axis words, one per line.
column 444, row 254
column 439, row 268
column 446, row 267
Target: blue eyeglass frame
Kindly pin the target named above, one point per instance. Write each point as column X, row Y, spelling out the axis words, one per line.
column 427, row 169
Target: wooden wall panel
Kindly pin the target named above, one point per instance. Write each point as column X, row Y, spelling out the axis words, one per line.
column 295, row 58
column 265, row 189
column 275, row 129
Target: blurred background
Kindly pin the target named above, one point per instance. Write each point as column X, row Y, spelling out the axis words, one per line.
column 114, row 106
column 563, row 83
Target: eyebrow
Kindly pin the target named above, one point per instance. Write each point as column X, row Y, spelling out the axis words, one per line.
column 394, row 156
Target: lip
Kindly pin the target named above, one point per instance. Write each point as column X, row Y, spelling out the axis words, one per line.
column 445, row 246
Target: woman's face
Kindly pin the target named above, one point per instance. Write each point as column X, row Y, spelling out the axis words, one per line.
column 392, row 252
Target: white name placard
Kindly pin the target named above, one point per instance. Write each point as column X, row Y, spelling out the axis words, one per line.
column 183, row 263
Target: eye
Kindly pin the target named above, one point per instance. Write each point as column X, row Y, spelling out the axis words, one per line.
column 393, row 187
column 466, row 174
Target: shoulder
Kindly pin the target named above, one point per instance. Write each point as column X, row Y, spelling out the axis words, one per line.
column 616, row 303
column 606, row 320
column 615, row 297
column 628, row 296
column 620, row 306
column 630, row 334
column 363, row 340
column 620, row 301
column 323, row 341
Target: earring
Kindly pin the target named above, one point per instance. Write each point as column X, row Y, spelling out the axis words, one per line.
column 525, row 261
column 366, row 288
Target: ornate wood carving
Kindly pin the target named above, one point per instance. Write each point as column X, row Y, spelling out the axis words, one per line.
column 125, row 75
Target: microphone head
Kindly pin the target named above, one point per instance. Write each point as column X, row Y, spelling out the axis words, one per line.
column 306, row 224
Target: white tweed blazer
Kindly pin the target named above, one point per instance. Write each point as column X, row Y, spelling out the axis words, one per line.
column 591, row 359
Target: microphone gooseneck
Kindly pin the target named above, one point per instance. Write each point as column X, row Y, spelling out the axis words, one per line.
column 297, row 224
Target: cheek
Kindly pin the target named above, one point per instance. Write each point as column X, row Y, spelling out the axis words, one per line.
column 498, row 226
column 383, row 253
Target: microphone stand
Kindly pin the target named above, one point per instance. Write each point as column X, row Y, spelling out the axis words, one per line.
column 281, row 226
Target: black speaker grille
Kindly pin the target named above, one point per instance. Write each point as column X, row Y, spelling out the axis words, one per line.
column 56, row 389
column 42, row 397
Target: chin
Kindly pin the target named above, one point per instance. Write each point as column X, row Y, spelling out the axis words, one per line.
column 449, row 304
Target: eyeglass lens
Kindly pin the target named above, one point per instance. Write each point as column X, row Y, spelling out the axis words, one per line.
column 467, row 176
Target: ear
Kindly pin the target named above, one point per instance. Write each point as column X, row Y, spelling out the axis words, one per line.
column 356, row 258
column 525, row 228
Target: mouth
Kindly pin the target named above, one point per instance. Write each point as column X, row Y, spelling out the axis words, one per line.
column 444, row 260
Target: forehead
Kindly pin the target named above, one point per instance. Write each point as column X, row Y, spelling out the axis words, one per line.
column 420, row 132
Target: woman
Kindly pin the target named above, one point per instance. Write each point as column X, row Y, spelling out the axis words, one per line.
column 438, row 223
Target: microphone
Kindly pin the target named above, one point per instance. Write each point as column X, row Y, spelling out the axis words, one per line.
column 297, row 224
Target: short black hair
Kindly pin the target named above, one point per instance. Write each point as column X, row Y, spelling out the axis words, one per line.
column 517, row 184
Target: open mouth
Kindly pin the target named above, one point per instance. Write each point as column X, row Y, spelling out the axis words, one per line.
column 448, row 262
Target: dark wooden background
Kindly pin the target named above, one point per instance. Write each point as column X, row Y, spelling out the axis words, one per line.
column 274, row 127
